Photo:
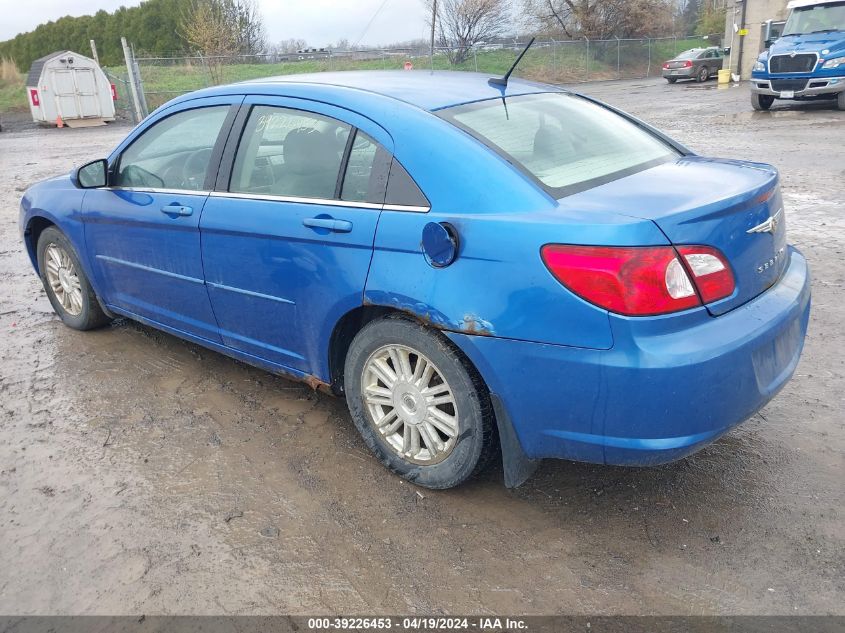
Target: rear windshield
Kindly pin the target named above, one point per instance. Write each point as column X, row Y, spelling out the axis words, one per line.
column 690, row 54
column 565, row 142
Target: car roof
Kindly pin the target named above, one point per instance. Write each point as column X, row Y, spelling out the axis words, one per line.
column 424, row 89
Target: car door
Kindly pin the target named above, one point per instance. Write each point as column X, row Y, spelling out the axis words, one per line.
column 699, row 62
column 710, row 62
column 142, row 231
column 288, row 232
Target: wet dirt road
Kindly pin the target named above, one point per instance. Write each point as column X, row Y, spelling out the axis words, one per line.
column 142, row 474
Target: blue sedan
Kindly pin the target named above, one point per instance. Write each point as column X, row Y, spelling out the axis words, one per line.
column 476, row 266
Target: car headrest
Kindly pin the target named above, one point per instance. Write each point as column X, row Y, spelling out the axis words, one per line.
column 306, row 149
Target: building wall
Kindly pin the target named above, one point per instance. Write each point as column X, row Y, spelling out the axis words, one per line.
column 756, row 14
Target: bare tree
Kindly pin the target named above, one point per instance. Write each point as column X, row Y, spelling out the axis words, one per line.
column 208, row 32
column 600, row 19
column 461, row 24
column 218, row 29
column 248, row 25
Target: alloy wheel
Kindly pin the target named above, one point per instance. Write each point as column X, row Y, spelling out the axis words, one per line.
column 410, row 404
column 63, row 279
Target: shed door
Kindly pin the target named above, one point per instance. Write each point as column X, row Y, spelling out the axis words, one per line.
column 86, row 90
column 75, row 90
column 65, row 93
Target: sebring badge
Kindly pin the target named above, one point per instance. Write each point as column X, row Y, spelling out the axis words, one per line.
column 770, row 225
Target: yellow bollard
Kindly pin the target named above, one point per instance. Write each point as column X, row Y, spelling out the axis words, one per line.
column 725, row 76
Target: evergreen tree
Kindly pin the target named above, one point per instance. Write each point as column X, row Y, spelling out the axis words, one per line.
column 151, row 27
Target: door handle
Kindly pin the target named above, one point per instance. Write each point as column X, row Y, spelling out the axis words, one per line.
column 176, row 209
column 337, row 226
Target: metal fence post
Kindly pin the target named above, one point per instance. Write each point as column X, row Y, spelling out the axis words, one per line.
column 207, row 70
column 618, row 58
column 587, row 61
column 475, row 56
column 133, row 86
column 648, row 68
column 141, row 96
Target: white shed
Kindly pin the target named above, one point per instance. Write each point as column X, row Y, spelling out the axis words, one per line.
column 71, row 86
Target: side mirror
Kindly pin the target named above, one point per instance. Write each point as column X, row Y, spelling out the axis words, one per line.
column 768, row 43
column 91, row 175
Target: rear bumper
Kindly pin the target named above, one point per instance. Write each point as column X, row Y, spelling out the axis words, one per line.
column 816, row 86
column 669, row 386
column 679, row 73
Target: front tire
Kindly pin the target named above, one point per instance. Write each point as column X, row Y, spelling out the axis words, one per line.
column 67, row 287
column 840, row 101
column 761, row 102
column 419, row 407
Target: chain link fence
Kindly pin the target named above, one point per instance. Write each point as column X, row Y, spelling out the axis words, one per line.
column 123, row 103
column 552, row 61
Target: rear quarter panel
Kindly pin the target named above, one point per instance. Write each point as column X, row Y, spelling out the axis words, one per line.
column 498, row 285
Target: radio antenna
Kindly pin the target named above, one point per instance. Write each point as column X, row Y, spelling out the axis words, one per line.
column 503, row 81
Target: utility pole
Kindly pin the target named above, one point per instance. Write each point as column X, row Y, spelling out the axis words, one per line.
column 94, row 52
column 433, row 20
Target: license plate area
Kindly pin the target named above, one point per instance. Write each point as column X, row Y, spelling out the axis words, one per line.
column 773, row 358
column 787, row 94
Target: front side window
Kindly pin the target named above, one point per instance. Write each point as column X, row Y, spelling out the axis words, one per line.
column 565, row 142
column 286, row 152
column 174, row 153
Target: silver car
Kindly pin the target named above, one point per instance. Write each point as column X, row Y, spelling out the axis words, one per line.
column 697, row 63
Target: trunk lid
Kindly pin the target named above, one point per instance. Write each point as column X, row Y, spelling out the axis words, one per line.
column 713, row 202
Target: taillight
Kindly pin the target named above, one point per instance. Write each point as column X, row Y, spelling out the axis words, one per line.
column 640, row 281
column 687, row 64
column 666, row 65
column 711, row 273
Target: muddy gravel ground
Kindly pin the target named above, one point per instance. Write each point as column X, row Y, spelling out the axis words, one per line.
column 143, row 474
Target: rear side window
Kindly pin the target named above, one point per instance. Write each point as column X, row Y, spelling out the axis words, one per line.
column 402, row 190
column 174, row 153
column 292, row 153
column 565, row 142
column 365, row 179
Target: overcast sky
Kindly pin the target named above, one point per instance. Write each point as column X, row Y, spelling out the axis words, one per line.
column 319, row 22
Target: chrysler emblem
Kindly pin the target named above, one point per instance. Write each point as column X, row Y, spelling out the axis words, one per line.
column 770, row 225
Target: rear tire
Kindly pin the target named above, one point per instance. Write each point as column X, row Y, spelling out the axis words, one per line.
column 67, row 287
column 393, row 399
column 703, row 75
column 671, row 80
column 840, row 101
column 761, row 102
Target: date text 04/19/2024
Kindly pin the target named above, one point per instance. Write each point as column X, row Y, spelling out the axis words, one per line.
column 491, row 624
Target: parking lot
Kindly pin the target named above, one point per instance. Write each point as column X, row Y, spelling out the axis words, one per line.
column 143, row 474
